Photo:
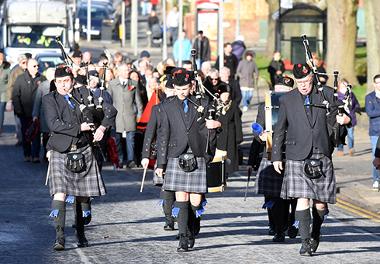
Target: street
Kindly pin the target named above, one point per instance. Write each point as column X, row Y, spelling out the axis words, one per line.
column 127, row 226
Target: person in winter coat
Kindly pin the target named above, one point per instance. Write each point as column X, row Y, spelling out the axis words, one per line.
column 372, row 107
column 248, row 74
column 23, row 95
column 354, row 107
column 276, row 68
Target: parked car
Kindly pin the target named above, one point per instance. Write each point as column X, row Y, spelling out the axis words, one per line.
column 100, row 15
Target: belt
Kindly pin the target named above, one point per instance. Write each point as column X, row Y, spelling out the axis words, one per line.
column 74, row 147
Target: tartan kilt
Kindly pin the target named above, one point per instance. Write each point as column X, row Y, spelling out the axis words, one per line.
column 268, row 181
column 87, row 183
column 192, row 182
column 297, row 185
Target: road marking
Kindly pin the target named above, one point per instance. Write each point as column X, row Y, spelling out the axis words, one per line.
column 358, row 210
column 82, row 256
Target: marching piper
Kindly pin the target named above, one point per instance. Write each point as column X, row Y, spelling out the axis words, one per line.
column 73, row 170
column 184, row 141
column 303, row 126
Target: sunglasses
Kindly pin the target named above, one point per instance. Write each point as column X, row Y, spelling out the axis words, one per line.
column 215, row 79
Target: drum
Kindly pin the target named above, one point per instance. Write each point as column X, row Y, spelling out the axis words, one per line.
column 215, row 173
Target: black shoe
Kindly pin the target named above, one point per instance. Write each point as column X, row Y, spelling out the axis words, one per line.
column 306, row 248
column 271, row 231
column 82, row 242
column 87, row 220
column 59, row 245
column 292, row 232
column 131, row 164
column 169, row 226
column 278, row 238
column 183, row 245
column 314, row 243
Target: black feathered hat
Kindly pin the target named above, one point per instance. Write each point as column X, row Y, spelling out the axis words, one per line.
column 301, row 70
column 181, row 76
column 63, row 71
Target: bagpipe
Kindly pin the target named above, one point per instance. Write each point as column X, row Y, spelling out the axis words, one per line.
column 215, row 170
column 337, row 132
column 91, row 113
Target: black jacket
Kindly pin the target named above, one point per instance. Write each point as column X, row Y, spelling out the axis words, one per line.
column 64, row 122
column 273, row 67
column 23, row 94
column 231, row 136
column 294, row 130
column 231, row 62
column 176, row 135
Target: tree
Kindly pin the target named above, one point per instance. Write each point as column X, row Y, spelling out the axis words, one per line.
column 341, row 37
column 372, row 9
column 273, row 7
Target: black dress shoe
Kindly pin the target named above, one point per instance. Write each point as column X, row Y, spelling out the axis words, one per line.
column 169, row 227
column 305, row 249
column 292, row 232
column 59, row 245
column 314, row 244
column 82, row 242
column 183, row 245
column 278, row 238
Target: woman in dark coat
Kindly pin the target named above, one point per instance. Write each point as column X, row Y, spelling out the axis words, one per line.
column 231, row 134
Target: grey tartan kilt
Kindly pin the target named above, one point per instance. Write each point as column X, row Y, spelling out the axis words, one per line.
column 87, row 183
column 268, row 181
column 297, row 185
column 177, row 180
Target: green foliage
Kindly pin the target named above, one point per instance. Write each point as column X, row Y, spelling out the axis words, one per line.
column 361, row 61
column 262, row 63
column 360, row 92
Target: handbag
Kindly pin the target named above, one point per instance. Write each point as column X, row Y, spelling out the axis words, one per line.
column 187, row 162
column 313, row 168
column 75, row 161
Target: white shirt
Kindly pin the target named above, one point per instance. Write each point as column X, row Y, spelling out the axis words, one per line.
column 173, row 19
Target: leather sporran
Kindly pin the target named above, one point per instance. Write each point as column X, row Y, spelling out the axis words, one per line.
column 187, row 162
column 75, row 162
column 313, row 168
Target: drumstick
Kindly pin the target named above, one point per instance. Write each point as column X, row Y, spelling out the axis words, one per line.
column 248, row 179
column 143, row 179
column 48, row 170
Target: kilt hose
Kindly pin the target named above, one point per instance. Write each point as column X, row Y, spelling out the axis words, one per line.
column 268, row 181
column 297, row 185
column 192, row 182
column 87, row 183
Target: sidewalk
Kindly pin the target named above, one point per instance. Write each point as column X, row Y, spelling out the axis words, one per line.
column 353, row 174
